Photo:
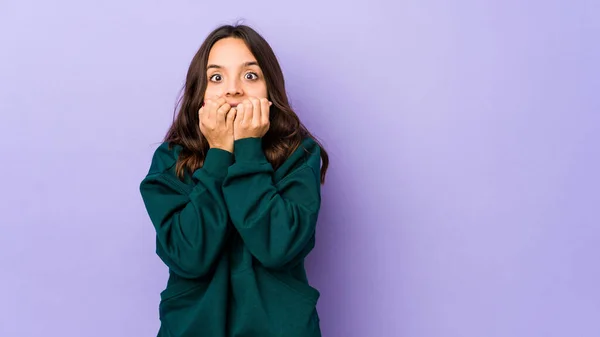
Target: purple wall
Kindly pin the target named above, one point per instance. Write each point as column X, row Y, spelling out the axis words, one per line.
column 463, row 197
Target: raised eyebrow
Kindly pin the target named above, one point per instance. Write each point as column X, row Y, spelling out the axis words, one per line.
column 246, row 64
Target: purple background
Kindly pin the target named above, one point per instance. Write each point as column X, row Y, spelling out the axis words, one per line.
column 463, row 196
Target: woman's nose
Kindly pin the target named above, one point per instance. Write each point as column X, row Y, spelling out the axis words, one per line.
column 233, row 88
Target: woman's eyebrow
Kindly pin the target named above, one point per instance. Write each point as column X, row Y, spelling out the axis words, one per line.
column 244, row 65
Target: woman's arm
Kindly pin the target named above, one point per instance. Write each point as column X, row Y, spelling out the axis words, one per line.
column 276, row 221
column 191, row 223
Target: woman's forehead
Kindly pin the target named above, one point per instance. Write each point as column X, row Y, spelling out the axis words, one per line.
column 231, row 52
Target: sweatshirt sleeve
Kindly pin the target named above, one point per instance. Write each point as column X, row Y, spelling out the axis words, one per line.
column 191, row 221
column 275, row 220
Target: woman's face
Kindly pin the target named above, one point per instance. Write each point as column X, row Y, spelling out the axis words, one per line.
column 233, row 73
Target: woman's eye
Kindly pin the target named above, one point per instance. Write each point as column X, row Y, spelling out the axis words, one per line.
column 251, row 76
column 215, row 78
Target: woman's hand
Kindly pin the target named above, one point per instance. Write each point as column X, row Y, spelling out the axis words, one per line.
column 252, row 118
column 216, row 123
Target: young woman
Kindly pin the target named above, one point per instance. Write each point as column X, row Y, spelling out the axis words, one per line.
column 234, row 195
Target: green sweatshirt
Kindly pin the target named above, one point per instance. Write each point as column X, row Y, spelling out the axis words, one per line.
column 234, row 236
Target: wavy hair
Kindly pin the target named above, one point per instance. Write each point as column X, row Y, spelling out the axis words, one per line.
column 286, row 131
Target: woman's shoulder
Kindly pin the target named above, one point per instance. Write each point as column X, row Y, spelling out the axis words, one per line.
column 310, row 144
column 164, row 157
column 310, row 151
column 306, row 155
column 307, row 148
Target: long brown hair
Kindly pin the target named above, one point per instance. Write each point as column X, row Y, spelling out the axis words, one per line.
column 286, row 131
